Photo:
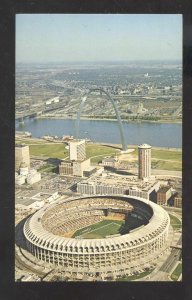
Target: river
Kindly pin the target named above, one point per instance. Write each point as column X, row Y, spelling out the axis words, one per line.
column 155, row 134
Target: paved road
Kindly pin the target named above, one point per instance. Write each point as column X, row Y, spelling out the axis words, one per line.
column 171, row 261
column 20, row 264
column 160, row 173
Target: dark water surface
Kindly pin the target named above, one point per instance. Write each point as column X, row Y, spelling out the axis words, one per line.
column 155, row 134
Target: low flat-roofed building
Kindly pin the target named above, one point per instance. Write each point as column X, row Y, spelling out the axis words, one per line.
column 109, row 162
column 163, row 195
column 118, row 185
column 34, row 199
column 29, row 203
column 46, row 197
column 89, row 171
column 19, row 179
column 33, row 177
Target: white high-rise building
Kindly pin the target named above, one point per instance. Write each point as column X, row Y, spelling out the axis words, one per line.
column 144, row 156
column 77, row 150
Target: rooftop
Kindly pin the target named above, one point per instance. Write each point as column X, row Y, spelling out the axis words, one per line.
column 20, row 145
column 121, row 181
column 109, row 159
column 27, row 197
column 23, row 165
column 66, row 162
column 164, row 189
column 77, row 142
column 144, row 146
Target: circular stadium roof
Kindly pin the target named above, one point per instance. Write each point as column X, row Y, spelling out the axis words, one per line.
column 40, row 236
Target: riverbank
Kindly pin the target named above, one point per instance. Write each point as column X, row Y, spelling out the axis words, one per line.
column 136, row 146
column 163, row 121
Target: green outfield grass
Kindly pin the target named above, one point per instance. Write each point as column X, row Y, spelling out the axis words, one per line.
column 99, row 230
column 175, row 222
column 50, row 150
column 177, row 272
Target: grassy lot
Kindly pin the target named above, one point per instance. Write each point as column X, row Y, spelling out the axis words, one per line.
column 177, row 272
column 166, row 154
column 175, row 222
column 166, row 165
column 135, row 277
column 53, row 151
column 59, row 151
column 98, row 159
column 29, row 142
column 163, row 154
column 100, row 229
column 164, row 159
column 95, row 149
column 47, row 168
column 99, row 151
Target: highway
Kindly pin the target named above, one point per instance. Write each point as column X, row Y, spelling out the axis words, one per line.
column 171, row 261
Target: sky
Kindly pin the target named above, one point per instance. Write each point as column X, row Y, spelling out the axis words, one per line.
column 98, row 37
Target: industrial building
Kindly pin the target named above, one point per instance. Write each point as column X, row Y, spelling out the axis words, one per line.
column 21, row 155
column 77, row 150
column 144, row 157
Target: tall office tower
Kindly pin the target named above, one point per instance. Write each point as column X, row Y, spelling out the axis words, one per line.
column 77, row 150
column 21, row 155
column 144, row 156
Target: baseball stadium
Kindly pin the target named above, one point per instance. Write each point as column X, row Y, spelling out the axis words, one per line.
column 105, row 236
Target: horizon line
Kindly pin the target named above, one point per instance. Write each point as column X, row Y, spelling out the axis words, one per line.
column 103, row 61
